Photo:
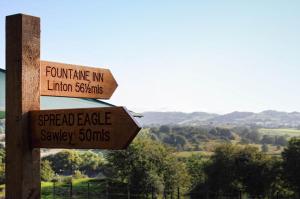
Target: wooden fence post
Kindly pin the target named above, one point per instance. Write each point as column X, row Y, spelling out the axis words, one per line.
column 128, row 191
column 71, row 189
column 88, row 194
column 107, row 194
column 22, row 95
column 152, row 192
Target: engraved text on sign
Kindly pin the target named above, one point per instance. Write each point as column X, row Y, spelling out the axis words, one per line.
column 70, row 80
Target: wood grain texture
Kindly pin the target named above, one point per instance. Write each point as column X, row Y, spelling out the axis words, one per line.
column 69, row 80
column 92, row 128
column 22, row 95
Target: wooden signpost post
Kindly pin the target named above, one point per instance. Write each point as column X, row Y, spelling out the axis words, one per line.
column 28, row 128
column 22, row 167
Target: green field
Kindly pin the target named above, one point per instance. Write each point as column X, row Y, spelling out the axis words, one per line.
column 289, row 132
column 185, row 154
column 62, row 190
column 81, row 189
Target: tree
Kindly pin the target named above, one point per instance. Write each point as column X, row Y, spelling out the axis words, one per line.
column 233, row 168
column 291, row 163
column 47, row 173
column 177, row 141
column 255, row 170
column 147, row 163
column 195, row 165
column 264, row 148
column 165, row 129
column 2, row 163
column 78, row 174
column 281, row 141
column 2, row 173
column 65, row 162
column 91, row 163
column 2, row 153
column 249, row 134
column 224, row 133
column 268, row 139
column 279, row 186
column 220, row 171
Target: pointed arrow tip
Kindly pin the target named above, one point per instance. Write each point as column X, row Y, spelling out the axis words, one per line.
column 135, row 131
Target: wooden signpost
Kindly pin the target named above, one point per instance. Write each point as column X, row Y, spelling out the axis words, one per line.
column 92, row 128
column 28, row 128
column 70, row 80
column 22, row 162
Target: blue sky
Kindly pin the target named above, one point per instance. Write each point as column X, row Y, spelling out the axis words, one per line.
column 214, row 56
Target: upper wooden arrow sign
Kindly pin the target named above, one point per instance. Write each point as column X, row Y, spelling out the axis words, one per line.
column 58, row 79
column 92, row 128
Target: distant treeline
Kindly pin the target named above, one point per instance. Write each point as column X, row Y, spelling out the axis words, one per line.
column 192, row 138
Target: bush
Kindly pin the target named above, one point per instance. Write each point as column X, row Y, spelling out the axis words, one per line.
column 2, row 173
column 47, row 173
column 67, row 161
column 78, row 174
column 265, row 148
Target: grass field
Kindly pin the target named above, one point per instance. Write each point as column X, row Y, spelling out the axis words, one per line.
column 185, row 154
column 85, row 188
column 62, row 190
column 289, row 132
column 208, row 151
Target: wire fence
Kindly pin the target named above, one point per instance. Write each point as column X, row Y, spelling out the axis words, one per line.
column 237, row 195
column 104, row 190
column 101, row 190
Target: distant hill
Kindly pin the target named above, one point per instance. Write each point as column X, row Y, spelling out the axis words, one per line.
column 161, row 118
column 268, row 118
column 232, row 117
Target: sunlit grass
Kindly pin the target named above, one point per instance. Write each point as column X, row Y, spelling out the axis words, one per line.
column 185, row 154
column 290, row 132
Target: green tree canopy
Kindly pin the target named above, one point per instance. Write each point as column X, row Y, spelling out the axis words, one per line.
column 233, row 168
column 291, row 163
column 47, row 174
column 91, row 163
column 65, row 162
column 148, row 163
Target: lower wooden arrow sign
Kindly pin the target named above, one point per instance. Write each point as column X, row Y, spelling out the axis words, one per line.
column 92, row 128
